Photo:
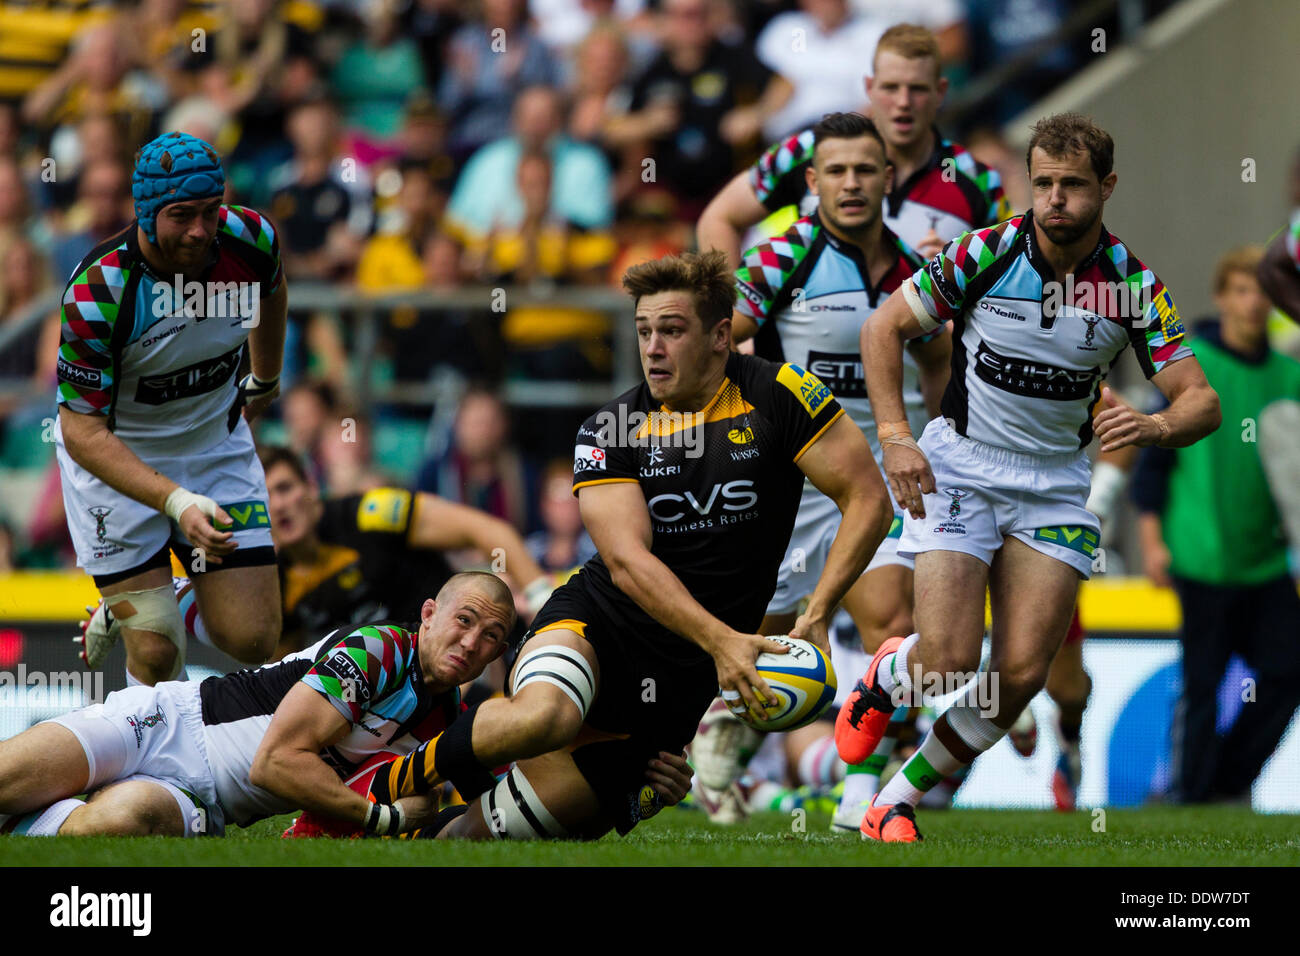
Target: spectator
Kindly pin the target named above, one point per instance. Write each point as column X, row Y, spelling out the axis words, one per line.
column 309, row 407
column 17, row 220
column 1209, row 525
column 103, row 209
column 820, row 50
column 390, row 260
column 432, row 24
column 946, row 19
column 486, row 197
column 346, row 456
column 97, row 79
column 376, row 74
column 321, row 201
column 30, row 358
column 489, row 62
column 692, row 106
column 1001, row 30
column 480, row 468
column 563, row 544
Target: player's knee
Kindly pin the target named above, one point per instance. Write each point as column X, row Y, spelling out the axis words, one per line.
column 153, row 653
column 945, row 659
column 549, row 719
column 249, row 641
column 554, row 686
column 1019, row 682
column 115, row 818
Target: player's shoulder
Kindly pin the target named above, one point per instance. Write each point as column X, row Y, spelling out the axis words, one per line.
column 636, row 398
column 385, row 509
column 761, row 380
column 1117, row 256
column 981, row 247
column 965, row 164
column 106, row 268
column 382, row 642
column 248, row 226
column 782, row 157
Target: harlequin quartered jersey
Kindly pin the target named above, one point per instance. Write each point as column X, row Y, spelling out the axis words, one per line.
column 370, row 674
column 951, row 193
column 161, row 365
column 810, row 294
column 1028, row 357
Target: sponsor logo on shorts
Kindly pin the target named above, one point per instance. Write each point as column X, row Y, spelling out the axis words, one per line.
column 952, row 525
column 100, row 514
column 1075, row 538
column 245, row 514
column 141, row 724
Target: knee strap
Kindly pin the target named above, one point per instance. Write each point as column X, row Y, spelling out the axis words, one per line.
column 513, row 811
column 561, row 667
column 156, row 611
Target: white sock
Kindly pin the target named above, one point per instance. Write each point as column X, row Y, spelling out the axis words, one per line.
column 892, row 672
column 960, row 735
column 46, row 822
column 820, row 764
column 863, row 780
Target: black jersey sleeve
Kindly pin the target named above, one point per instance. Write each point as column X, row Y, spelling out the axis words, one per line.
column 802, row 407
column 380, row 511
column 602, row 453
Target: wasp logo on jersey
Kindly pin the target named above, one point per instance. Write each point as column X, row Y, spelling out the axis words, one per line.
column 740, row 436
column 806, row 386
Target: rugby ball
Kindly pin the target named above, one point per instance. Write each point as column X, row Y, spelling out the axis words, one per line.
column 803, row 681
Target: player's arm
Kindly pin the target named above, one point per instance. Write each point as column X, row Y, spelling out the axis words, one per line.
column 840, row 465
column 266, row 349
column 288, row 762
column 881, row 340
column 723, row 223
column 1279, row 275
column 618, row 521
column 933, row 357
column 1192, row 414
column 743, row 328
column 96, row 449
column 441, row 525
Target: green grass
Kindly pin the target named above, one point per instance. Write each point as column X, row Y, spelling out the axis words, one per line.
column 1164, row 836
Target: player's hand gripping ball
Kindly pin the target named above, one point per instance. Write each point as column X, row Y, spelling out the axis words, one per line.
column 803, row 681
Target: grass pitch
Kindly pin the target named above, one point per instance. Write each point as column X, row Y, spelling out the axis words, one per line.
column 1164, row 836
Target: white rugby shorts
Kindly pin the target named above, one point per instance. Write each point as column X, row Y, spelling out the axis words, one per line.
column 810, row 544
column 114, row 533
column 986, row 494
column 156, row 734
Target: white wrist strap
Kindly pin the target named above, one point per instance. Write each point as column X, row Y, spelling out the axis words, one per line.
column 180, row 499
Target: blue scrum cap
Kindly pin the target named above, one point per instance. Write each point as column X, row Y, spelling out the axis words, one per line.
column 175, row 167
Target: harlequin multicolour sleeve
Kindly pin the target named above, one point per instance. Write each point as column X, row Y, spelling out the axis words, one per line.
column 361, row 667
column 777, row 176
column 941, row 284
column 91, row 304
column 251, row 227
column 1158, row 338
column 766, row 268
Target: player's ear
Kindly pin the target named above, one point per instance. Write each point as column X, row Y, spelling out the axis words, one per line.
column 428, row 609
column 810, row 176
column 1108, row 185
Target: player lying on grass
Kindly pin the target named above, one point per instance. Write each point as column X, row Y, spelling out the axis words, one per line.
column 185, row 758
column 689, row 485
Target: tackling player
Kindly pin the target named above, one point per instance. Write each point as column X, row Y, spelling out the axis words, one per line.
column 803, row 297
column 688, row 485
column 374, row 555
column 1042, row 306
column 938, row 190
column 153, row 452
column 187, row 758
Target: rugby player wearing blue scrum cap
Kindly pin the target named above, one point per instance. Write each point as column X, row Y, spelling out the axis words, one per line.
column 153, row 451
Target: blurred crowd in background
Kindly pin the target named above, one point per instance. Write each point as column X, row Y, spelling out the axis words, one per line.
column 435, row 145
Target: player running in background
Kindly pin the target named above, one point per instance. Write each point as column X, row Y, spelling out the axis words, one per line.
column 938, row 190
column 803, row 297
column 1042, row 306
column 153, row 452
column 689, row 486
column 188, row 758
column 377, row 554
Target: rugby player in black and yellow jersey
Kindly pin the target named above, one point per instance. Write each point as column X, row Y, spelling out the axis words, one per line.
column 375, row 555
column 688, row 485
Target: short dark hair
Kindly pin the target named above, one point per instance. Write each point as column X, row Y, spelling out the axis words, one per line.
column 705, row 275
column 846, row 126
column 271, row 455
column 1064, row 134
column 497, row 591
